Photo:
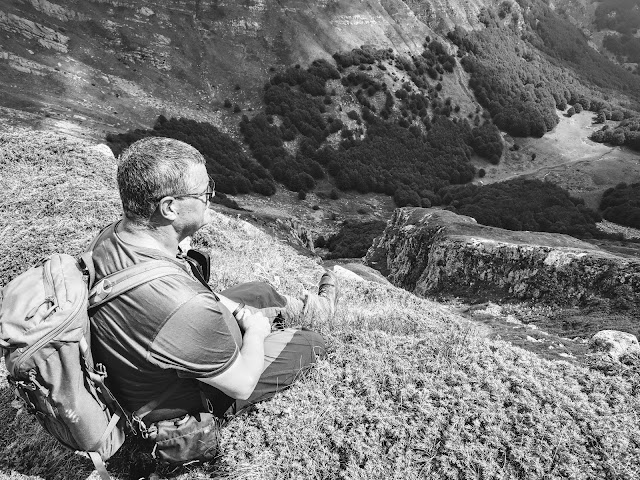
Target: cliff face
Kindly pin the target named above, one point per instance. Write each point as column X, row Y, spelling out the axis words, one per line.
column 429, row 251
column 112, row 64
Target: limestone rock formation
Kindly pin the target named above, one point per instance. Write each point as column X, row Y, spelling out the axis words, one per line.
column 296, row 232
column 45, row 36
column 430, row 250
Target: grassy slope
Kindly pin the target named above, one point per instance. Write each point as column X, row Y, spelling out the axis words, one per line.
column 408, row 391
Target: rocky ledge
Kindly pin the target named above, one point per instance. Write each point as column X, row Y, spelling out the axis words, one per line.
column 429, row 251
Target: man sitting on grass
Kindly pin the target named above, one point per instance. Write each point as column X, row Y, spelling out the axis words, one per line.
column 173, row 330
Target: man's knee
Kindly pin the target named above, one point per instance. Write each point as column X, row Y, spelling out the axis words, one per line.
column 297, row 347
column 315, row 342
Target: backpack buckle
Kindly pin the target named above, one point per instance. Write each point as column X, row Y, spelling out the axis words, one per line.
column 21, row 394
column 36, row 385
column 100, row 291
column 100, row 369
column 21, row 384
column 140, row 426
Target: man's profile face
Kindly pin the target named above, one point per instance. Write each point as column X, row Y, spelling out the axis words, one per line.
column 194, row 211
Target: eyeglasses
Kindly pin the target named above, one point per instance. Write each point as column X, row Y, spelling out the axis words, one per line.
column 209, row 193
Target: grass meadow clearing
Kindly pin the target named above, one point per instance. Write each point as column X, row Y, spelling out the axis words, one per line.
column 567, row 157
column 409, row 389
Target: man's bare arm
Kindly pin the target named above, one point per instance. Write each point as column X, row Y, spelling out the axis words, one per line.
column 240, row 379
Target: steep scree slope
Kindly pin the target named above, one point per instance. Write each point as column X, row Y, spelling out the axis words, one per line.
column 99, row 65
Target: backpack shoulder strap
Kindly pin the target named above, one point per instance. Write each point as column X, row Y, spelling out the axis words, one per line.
column 124, row 280
column 86, row 259
column 86, row 262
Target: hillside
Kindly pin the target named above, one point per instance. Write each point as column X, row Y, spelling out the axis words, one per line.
column 89, row 68
column 410, row 388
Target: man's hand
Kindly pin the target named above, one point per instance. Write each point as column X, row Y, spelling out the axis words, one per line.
column 241, row 378
column 256, row 322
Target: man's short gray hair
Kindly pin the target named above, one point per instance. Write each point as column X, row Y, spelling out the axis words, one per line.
column 150, row 169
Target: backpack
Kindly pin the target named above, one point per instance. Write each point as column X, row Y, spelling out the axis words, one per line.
column 45, row 340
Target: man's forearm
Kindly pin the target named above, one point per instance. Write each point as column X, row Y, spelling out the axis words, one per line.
column 252, row 352
column 239, row 380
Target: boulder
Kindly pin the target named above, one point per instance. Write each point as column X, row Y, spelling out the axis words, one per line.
column 103, row 149
column 614, row 343
column 428, row 250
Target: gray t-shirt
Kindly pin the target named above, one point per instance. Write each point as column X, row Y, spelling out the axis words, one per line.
column 168, row 330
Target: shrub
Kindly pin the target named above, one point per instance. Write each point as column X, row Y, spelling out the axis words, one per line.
column 524, row 205
column 622, row 204
column 354, row 239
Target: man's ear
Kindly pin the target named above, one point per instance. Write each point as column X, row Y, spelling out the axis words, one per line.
column 167, row 208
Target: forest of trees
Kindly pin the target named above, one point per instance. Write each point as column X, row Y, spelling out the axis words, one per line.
column 524, row 205
column 401, row 150
column 227, row 164
column 627, row 133
column 626, row 47
column 622, row 204
column 396, row 161
column 521, row 88
column 520, row 92
column 561, row 40
column 620, row 15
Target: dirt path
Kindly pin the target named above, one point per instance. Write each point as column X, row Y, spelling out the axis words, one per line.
column 561, row 166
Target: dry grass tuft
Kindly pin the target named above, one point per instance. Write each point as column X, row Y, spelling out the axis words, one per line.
column 409, row 390
column 56, row 192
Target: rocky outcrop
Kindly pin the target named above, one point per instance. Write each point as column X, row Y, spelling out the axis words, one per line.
column 445, row 15
column 57, row 11
column 615, row 344
column 296, row 232
column 47, row 37
column 429, row 250
column 25, row 65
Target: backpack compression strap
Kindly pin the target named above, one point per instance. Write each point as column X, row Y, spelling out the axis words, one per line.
column 99, row 464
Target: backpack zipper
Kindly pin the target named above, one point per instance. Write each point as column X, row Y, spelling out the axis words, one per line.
column 44, row 340
column 23, row 356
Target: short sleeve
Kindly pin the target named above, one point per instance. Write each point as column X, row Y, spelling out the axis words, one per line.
column 200, row 339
